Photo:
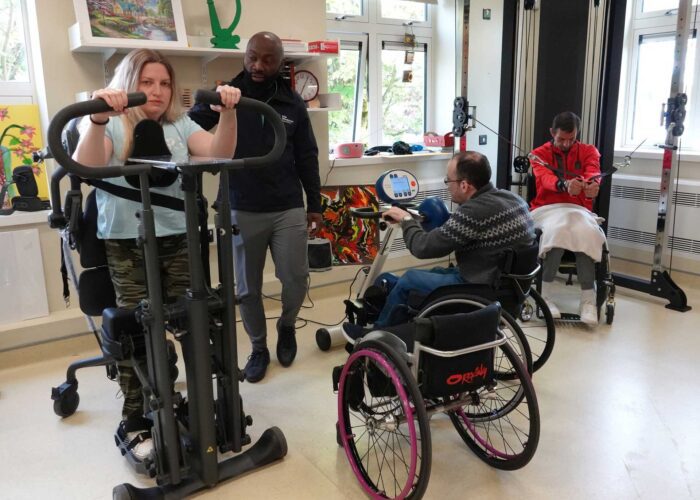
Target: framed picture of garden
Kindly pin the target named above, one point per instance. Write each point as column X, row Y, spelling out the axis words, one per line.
column 141, row 23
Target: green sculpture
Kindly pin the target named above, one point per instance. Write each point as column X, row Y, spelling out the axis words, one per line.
column 223, row 37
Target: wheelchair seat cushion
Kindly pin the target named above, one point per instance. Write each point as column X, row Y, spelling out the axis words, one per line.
column 444, row 376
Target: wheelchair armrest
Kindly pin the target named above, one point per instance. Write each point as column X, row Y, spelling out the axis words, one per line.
column 531, row 275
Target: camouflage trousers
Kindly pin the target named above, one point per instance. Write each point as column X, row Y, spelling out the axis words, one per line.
column 128, row 273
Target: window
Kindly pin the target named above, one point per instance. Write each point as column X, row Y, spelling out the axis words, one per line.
column 650, row 50
column 15, row 78
column 403, row 10
column 383, row 78
column 347, row 78
column 403, row 94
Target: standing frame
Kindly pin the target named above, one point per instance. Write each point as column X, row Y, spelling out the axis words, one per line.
column 159, row 23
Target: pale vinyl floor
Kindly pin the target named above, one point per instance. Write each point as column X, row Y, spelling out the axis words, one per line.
column 619, row 408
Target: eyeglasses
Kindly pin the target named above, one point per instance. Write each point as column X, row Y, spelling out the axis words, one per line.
column 447, row 180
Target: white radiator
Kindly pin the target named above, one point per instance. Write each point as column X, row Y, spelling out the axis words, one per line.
column 633, row 215
column 428, row 188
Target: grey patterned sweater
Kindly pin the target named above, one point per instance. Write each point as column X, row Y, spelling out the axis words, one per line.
column 478, row 232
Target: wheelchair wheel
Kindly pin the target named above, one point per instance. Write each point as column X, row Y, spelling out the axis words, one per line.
column 536, row 322
column 501, row 424
column 383, row 423
column 452, row 304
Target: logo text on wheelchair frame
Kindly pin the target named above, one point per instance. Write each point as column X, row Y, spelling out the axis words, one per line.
column 467, row 377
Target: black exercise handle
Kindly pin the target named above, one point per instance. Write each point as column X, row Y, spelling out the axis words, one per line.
column 271, row 117
column 94, row 106
column 366, row 213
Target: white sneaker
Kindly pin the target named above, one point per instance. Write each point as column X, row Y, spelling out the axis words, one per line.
column 556, row 314
column 589, row 311
column 547, row 292
column 143, row 448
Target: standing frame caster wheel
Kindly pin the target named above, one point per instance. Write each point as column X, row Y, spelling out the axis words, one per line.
column 323, row 339
column 609, row 313
column 65, row 399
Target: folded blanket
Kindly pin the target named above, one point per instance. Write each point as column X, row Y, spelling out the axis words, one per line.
column 569, row 226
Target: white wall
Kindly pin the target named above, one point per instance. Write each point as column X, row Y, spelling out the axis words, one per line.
column 484, row 78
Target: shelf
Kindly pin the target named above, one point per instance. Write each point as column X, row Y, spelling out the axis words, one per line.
column 110, row 47
column 329, row 102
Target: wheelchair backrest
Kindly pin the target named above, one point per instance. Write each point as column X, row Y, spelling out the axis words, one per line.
column 95, row 288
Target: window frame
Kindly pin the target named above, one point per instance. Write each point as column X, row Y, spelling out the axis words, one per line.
column 376, row 32
column 650, row 24
column 22, row 92
column 336, row 16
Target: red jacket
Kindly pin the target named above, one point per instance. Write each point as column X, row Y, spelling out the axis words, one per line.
column 582, row 160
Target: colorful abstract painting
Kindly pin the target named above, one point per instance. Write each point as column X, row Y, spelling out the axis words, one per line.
column 353, row 240
column 20, row 137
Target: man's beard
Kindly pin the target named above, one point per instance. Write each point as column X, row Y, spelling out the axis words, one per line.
column 258, row 90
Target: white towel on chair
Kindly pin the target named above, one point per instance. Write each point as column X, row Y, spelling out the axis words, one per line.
column 569, row 226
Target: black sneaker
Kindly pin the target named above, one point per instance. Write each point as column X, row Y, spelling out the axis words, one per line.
column 256, row 366
column 286, row 344
column 354, row 331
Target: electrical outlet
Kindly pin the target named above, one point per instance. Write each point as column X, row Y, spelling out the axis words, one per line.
column 482, row 140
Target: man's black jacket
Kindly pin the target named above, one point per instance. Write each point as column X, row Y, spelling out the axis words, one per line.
column 275, row 187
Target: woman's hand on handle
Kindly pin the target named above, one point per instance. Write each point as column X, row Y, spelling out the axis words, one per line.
column 115, row 98
column 229, row 98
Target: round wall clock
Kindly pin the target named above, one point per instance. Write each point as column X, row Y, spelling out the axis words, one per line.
column 306, row 84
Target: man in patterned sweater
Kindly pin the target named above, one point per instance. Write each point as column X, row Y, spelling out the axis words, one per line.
column 488, row 221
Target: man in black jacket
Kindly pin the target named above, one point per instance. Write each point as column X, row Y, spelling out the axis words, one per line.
column 268, row 203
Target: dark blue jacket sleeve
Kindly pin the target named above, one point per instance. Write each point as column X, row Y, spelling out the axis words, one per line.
column 306, row 161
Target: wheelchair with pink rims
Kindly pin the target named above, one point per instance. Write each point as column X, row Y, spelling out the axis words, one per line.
column 395, row 379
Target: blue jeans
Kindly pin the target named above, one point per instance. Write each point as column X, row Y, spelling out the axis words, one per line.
column 421, row 281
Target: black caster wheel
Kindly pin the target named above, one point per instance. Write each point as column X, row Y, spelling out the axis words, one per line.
column 123, row 492
column 323, row 339
column 609, row 313
column 66, row 401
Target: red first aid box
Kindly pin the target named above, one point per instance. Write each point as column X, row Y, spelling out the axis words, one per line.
column 325, row 46
column 434, row 140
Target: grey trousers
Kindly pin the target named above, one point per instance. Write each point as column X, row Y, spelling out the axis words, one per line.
column 285, row 234
column 585, row 267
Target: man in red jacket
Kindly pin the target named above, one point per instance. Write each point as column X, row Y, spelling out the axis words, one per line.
column 576, row 181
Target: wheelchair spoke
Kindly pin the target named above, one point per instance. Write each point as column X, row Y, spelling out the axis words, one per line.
column 383, row 425
column 501, row 424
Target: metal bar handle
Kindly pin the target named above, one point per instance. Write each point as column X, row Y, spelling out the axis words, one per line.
column 271, row 116
column 65, row 115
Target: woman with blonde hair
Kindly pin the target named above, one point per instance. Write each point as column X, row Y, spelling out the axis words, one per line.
column 107, row 139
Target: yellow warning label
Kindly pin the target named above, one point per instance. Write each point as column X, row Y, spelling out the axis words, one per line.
column 210, row 450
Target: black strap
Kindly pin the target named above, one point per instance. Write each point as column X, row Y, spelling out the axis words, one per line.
column 160, row 200
column 64, row 276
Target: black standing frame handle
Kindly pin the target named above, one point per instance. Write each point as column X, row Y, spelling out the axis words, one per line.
column 183, row 470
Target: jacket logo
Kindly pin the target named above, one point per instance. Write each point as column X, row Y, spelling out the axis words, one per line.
column 286, row 120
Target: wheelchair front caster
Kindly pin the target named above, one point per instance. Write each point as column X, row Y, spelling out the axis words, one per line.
column 609, row 313
column 323, row 339
column 65, row 399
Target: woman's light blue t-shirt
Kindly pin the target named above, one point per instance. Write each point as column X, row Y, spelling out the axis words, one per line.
column 117, row 216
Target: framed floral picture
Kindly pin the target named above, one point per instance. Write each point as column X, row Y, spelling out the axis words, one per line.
column 138, row 23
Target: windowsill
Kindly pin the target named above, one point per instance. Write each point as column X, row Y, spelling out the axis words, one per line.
column 655, row 154
column 384, row 158
column 24, row 218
